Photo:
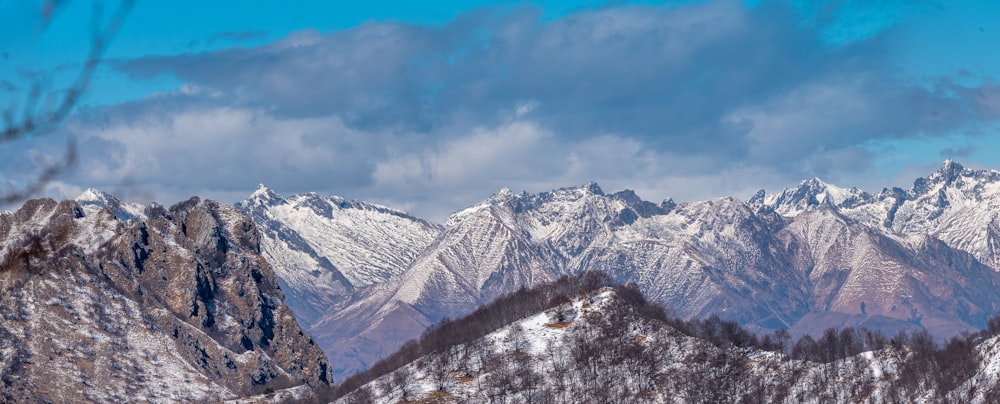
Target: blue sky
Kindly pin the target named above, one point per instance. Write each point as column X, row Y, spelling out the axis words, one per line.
column 432, row 107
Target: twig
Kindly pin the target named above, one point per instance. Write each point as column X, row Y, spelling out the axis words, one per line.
column 37, row 121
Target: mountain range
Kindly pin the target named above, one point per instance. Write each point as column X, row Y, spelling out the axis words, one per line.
column 111, row 300
column 364, row 278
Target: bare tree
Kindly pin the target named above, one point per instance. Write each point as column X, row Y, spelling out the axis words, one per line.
column 440, row 370
column 44, row 109
column 362, row 395
column 401, row 379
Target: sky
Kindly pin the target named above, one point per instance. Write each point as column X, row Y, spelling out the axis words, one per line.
column 431, row 107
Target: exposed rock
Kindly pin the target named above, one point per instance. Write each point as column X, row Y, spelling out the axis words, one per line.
column 179, row 306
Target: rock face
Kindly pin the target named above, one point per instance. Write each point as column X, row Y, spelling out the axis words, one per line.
column 168, row 305
column 805, row 259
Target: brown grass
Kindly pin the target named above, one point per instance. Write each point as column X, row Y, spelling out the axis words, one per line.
column 563, row 324
column 436, row 397
column 466, row 379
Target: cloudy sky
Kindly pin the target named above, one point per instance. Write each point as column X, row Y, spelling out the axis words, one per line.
column 431, row 108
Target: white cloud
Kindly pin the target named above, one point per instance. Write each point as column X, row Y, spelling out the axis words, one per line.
column 689, row 101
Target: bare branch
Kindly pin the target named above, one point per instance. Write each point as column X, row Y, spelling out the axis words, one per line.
column 47, row 174
column 38, row 118
column 37, row 125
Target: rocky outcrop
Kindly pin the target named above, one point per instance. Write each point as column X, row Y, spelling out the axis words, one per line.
column 174, row 305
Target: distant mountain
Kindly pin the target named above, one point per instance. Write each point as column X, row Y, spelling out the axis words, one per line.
column 811, row 194
column 805, row 259
column 102, row 301
column 324, row 249
column 954, row 204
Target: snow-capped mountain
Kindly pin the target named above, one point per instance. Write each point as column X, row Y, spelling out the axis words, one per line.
column 124, row 211
column 955, row 204
column 805, row 259
column 102, row 302
column 810, row 194
column 323, row 249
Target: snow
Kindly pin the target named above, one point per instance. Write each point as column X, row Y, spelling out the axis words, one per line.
column 954, row 204
column 368, row 243
column 794, row 201
column 538, row 337
column 828, row 248
column 871, row 376
column 124, row 211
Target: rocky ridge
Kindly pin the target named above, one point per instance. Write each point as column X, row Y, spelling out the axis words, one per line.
column 103, row 301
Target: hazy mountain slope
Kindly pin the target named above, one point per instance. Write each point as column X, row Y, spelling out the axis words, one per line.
column 325, row 248
column 699, row 258
column 178, row 306
column 480, row 255
column 859, row 276
column 710, row 257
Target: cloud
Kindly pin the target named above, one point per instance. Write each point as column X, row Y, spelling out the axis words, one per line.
column 177, row 149
column 672, row 75
column 689, row 101
column 844, row 111
column 953, row 153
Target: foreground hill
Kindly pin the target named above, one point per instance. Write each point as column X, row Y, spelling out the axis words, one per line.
column 610, row 345
column 805, row 259
column 108, row 302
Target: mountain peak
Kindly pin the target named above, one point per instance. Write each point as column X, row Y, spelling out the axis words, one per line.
column 96, row 196
column 503, row 195
column 123, row 211
column 266, row 196
column 814, row 183
column 593, row 188
column 809, row 194
column 950, row 170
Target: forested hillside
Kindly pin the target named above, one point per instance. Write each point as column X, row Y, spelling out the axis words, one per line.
column 586, row 339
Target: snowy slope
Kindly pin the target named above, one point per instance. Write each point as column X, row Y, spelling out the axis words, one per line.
column 481, row 255
column 699, row 258
column 325, row 248
column 860, row 276
column 122, row 210
column 597, row 349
